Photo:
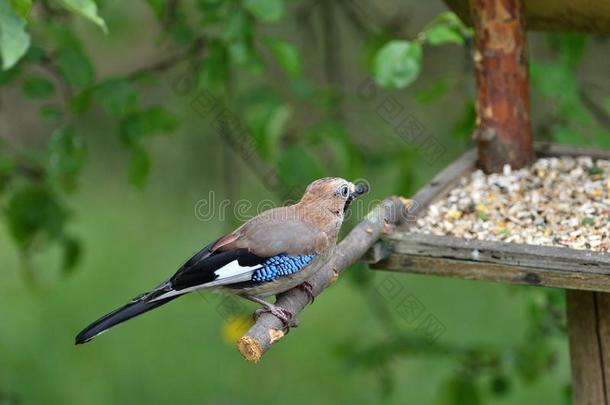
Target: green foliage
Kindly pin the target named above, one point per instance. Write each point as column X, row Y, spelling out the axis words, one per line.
column 37, row 87
column 67, row 155
column 14, row 41
column 34, row 212
column 397, row 64
column 286, row 55
column 265, row 10
column 87, row 9
column 21, row 7
column 446, row 28
column 118, row 97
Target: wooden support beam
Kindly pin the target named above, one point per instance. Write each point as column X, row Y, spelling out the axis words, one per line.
column 589, row 333
column 503, row 133
column 501, row 262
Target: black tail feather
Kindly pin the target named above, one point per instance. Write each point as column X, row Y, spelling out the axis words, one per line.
column 118, row 316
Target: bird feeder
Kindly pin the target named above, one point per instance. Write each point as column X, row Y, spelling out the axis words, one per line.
column 503, row 137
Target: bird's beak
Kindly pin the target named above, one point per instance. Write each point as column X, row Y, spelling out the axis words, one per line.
column 358, row 190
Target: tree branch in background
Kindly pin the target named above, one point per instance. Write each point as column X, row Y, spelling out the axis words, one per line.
column 598, row 112
column 268, row 329
column 168, row 63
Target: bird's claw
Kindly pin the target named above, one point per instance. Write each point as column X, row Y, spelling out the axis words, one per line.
column 285, row 316
column 306, row 287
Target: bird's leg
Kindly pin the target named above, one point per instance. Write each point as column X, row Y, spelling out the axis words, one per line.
column 280, row 313
column 306, row 287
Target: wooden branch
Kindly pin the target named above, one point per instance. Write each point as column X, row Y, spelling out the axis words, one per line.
column 268, row 329
column 503, row 133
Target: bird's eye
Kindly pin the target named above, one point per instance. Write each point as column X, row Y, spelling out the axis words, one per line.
column 344, row 191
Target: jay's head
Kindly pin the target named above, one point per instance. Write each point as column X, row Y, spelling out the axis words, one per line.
column 334, row 193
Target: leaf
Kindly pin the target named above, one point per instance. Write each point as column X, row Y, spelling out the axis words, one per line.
column 571, row 47
column 459, row 390
column 139, row 167
column 21, row 7
column 72, row 253
column 72, row 61
column 397, row 64
column 14, row 41
column 67, row 156
column 32, row 211
column 37, row 87
column 50, row 112
column 267, row 11
column 276, row 124
column 438, row 89
column 118, row 96
column 87, row 9
column 158, row 7
column 146, row 122
column 286, row 55
column 215, row 70
column 442, row 34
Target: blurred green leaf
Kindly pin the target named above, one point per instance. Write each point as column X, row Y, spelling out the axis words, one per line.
column 72, row 253
column 33, row 211
column 446, row 27
column 67, row 155
column 397, row 64
column 571, row 47
column 267, row 119
column 139, row 167
column 215, row 70
column 267, row 11
column 118, row 96
column 442, row 34
column 14, row 41
column 158, row 7
column 500, row 385
column 72, row 61
column 286, row 55
column 37, row 87
column 7, row 76
column 50, row 112
column 21, row 7
column 150, row 121
column 433, row 93
column 459, row 390
column 87, row 9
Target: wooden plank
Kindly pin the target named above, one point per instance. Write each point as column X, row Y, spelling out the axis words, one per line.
column 553, row 149
column 588, row 316
column 494, row 261
column 554, row 15
column 494, row 272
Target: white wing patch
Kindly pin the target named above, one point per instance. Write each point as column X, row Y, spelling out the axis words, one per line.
column 233, row 269
column 231, row 272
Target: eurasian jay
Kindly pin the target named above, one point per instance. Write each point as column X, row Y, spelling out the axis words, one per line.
column 273, row 252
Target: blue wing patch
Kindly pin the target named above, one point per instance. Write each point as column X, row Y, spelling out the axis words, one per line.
column 281, row 265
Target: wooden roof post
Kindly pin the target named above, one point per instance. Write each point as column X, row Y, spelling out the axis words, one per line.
column 503, row 132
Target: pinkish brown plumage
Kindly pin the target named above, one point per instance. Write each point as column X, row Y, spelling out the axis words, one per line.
column 275, row 251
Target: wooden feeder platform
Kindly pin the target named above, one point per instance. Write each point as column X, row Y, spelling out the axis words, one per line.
column 585, row 275
column 560, row 267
